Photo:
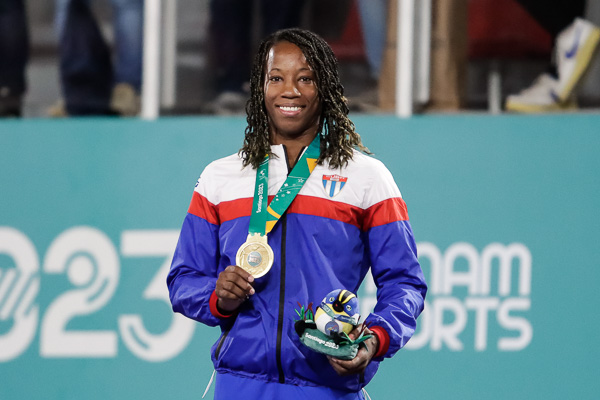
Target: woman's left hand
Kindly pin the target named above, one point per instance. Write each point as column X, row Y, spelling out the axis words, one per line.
column 359, row 363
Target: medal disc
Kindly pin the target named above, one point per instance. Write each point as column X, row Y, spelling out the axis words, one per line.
column 255, row 256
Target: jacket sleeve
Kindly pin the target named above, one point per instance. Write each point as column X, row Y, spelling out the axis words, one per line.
column 194, row 270
column 401, row 286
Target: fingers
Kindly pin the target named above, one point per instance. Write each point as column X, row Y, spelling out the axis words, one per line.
column 234, row 283
column 359, row 363
column 350, row 367
column 355, row 333
column 234, row 286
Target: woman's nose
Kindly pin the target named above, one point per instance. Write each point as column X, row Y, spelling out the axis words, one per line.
column 290, row 88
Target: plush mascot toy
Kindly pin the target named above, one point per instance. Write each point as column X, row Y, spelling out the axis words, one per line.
column 327, row 330
column 337, row 313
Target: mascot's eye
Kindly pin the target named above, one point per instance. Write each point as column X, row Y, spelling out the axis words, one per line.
column 331, row 299
column 348, row 307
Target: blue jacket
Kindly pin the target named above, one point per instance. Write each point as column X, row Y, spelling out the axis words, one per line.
column 342, row 223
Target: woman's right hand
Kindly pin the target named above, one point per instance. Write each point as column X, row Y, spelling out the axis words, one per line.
column 234, row 286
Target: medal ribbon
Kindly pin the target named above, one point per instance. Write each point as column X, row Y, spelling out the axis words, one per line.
column 265, row 215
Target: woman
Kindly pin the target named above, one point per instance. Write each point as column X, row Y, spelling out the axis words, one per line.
column 342, row 213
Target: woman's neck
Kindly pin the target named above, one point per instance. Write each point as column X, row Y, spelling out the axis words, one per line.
column 293, row 146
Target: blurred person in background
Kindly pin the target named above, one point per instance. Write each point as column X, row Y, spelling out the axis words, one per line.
column 373, row 21
column 231, row 34
column 14, row 54
column 92, row 83
column 373, row 16
column 575, row 41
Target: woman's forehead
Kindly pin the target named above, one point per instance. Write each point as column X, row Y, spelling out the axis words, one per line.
column 285, row 53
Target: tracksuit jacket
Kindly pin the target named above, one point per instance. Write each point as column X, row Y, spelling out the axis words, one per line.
column 342, row 223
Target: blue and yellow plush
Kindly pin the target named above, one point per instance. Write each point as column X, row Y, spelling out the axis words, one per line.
column 327, row 330
column 337, row 313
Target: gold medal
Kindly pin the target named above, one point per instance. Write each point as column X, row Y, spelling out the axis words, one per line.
column 255, row 256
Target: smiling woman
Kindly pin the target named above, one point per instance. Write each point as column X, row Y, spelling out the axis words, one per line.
column 245, row 260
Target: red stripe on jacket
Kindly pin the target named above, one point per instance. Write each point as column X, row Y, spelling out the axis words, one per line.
column 201, row 207
column 319, row 207
column 384, row 212
column 307, row 205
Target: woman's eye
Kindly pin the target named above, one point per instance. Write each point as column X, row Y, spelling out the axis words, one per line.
column 275, row 78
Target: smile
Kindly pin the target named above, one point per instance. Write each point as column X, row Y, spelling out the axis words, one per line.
column 290, row 109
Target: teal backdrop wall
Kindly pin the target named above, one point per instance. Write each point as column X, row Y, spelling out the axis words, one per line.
column 504, row 210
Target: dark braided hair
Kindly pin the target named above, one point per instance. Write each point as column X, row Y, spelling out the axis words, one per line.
column 338, row 135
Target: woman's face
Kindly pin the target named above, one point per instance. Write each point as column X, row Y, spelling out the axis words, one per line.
column 291, row 95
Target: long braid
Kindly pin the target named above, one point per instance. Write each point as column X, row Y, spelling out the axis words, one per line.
column 339, row 135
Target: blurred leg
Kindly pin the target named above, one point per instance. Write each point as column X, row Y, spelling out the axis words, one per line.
column 14, row 54
column 373, row 18
column 129, row 41
column 280, row 14
column 230, row 37
column 60, row 16
column 449, row 54
column 85, row 62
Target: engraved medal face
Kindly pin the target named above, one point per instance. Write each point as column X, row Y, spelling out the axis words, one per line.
column 255, row 256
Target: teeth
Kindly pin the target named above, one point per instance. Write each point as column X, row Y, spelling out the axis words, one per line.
column 290, row 108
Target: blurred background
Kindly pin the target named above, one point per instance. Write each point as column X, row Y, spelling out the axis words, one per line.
column 471, row 41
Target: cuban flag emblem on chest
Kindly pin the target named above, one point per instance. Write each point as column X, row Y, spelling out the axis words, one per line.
column 333, row 184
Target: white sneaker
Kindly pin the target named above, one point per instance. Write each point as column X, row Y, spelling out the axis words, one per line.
column 539, row 97
column 575, row 47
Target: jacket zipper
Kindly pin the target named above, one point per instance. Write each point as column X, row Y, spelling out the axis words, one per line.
column 218, row 349
column 280, row 320
column 281, row 301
